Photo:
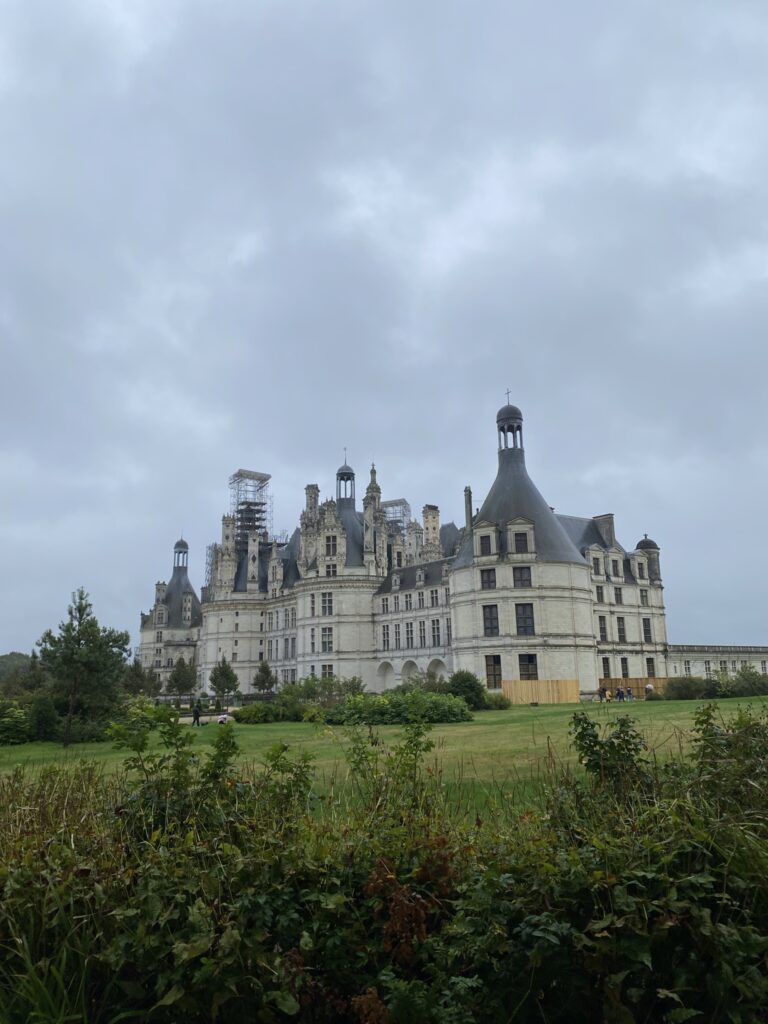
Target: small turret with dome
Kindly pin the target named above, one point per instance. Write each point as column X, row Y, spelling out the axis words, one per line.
column 345, row 485
column 651, row 550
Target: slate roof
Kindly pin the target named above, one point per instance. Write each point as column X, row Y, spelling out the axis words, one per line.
column 173, row 600
column 433, row 576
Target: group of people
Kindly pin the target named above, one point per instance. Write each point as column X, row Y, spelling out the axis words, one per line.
column 197, row 710
column 604, row 694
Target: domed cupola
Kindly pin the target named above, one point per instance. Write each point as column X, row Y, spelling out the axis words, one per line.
column 509, row 424
column 345, row 485
column 180, row 553
column 646, row 544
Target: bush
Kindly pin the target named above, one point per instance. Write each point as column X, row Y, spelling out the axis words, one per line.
column 467, row 686
column 258, row 713
column 44, row 722
column 690, row 688
column 496, row 701
column 14, row 728
column 393, row 708
column 84, row 731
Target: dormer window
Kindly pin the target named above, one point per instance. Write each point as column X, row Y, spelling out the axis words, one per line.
column 641, row 570
column 419, row 577
column 396, row 582
column 485, row 544
column 330, row 546
column 521, row 543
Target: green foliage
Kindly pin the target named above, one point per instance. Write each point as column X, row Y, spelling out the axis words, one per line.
column 223, row 680
column 690, row 688
column 14, row 662
column 14, row 727
column 747, row 682
column 496, row 701
column 259, row 712
column 616, row 758
column 183, row 679
column 264, row 679
column 467, row 686
column 43, row 719
column 138, row 681
column 86, row 664
column 394, row 708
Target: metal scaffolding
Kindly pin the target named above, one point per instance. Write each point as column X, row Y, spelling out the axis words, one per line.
column 251, row 505
column 398, row 513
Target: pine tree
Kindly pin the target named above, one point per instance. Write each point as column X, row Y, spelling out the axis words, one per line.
column 224, row 680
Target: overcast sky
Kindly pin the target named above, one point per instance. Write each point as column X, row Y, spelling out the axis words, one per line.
column 251, row 232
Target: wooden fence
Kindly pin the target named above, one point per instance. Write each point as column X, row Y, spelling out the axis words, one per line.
column 638, row 684
column 541, row 691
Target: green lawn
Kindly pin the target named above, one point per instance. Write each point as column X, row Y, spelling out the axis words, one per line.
column 498, row 750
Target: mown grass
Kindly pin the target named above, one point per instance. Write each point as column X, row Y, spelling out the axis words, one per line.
column 499, row 755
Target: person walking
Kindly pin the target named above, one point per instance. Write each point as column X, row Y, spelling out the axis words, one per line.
column 196, row 713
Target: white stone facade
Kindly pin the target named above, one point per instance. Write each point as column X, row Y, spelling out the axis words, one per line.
column 516, row 593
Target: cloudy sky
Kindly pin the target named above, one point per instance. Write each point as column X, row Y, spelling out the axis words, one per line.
column 251, row 232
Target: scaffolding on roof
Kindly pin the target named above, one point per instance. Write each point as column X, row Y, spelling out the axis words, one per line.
column 398, row 513
column 250, row 505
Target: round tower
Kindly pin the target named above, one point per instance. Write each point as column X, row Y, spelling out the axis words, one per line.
column 509, row 424
column 345, row 486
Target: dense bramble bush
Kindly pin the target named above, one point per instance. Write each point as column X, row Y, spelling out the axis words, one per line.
column 186, row 891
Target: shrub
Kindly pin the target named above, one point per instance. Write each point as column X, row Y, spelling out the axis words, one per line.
column 690, row 688
column 467, row 686
column 44, row 722
column 258, row 713
column 14, row 728
column 393, row 708
column 496, row 701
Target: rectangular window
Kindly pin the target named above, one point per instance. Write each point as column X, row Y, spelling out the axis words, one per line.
column 270, row 621
column 159, row 637
column 385, row 637
column 448, row 633
column 644, row 598
column 615, row 566
column 269, row 650
column 596, row 567
column 606, row 673
column 293, row 646
column 422, row 633
column 650, row 668
column 621, row 629
column 435, row 632
column 447, row 594
column 707, row 669
column 434, row 598
column 521, row 576
column 421, row 599
column 330, row 569
column 618, row 596
column 521, row 543
column 764, row 667
column 397, row 636
column 312, row 640
column 237, row 627
column 409, row 634
column 330, row 546
column 326, row 639
column 602, row 623
column 293, row 675
column 326, row 671
column 640, row 571
column 599, row 595
column 385, row 605
column 399, row 559
column 326, row 602
column 293, row 618
column 236, row 643
column 485, row 544
column 625, row 668
column 524, row 619
column 647, row 631
column 528, row 666
column 408, row 602
column 311, row 604
column 490, row 619
column 493, row 671
column 396, row 602
column 234, row 655
column 286, row 648
column 733, row 666
column 487, row 579
column 724, row 666
column 286, row 618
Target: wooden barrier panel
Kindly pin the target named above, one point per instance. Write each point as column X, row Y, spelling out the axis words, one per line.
column 638, row 684
column 541, row 691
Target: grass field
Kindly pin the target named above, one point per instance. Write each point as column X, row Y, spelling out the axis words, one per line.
column 499, row 752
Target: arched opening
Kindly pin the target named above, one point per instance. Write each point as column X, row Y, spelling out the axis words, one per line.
column 438, row 669
column 410, row 669
column 385, row 676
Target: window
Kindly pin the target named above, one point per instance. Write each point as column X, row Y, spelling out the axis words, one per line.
column 385, row 637
column 234, row 655
column 447, row 594
column 330, row 546
column 326, row 639
column 434, row 599
column 286, row 618
column 158, row 650
column 435, row 632
column 311, row 604
column 330, row 569
column 640, row 570
column 615, row 566
column 764, row 667
column 596, row 566
column 293, row 675
column 421, row 599
column 397, row 636
column 408, row 602
column 157, row 662
column 621, row 629
column 625, row 668
column 493, row 671
column 707, row 669
column 235, row 643
column 618, row 596
column 399, row 559
column 326, row 671
column 521, row 543
column 312, row 640
column 602, row 624
column 724, row 666
column 159, row 637
column 409, row 634
column 647, row 631
column 326, row 602
column 269, row 650
column 487, row 579
column 524, row 619
column 385, row 605
column 485, row 544
column 599, row 596
column 650, row 668
column 293, row 618
column 169, row 663
column 521, row 576
column 237, row 627
column 448, row 633
column 733, row 666
column 686, row 668
column 293, row 646
column 396, row 602
column 528, row 667
column 422, row 633
column 490, row 619
column 606, row 673
column 644, row 598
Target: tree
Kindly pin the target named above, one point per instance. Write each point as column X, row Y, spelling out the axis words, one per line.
column 264, row 680
column 466, row 685
column 183, row 679
column 138, row 681
column 86, row 664
column 224, row 680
